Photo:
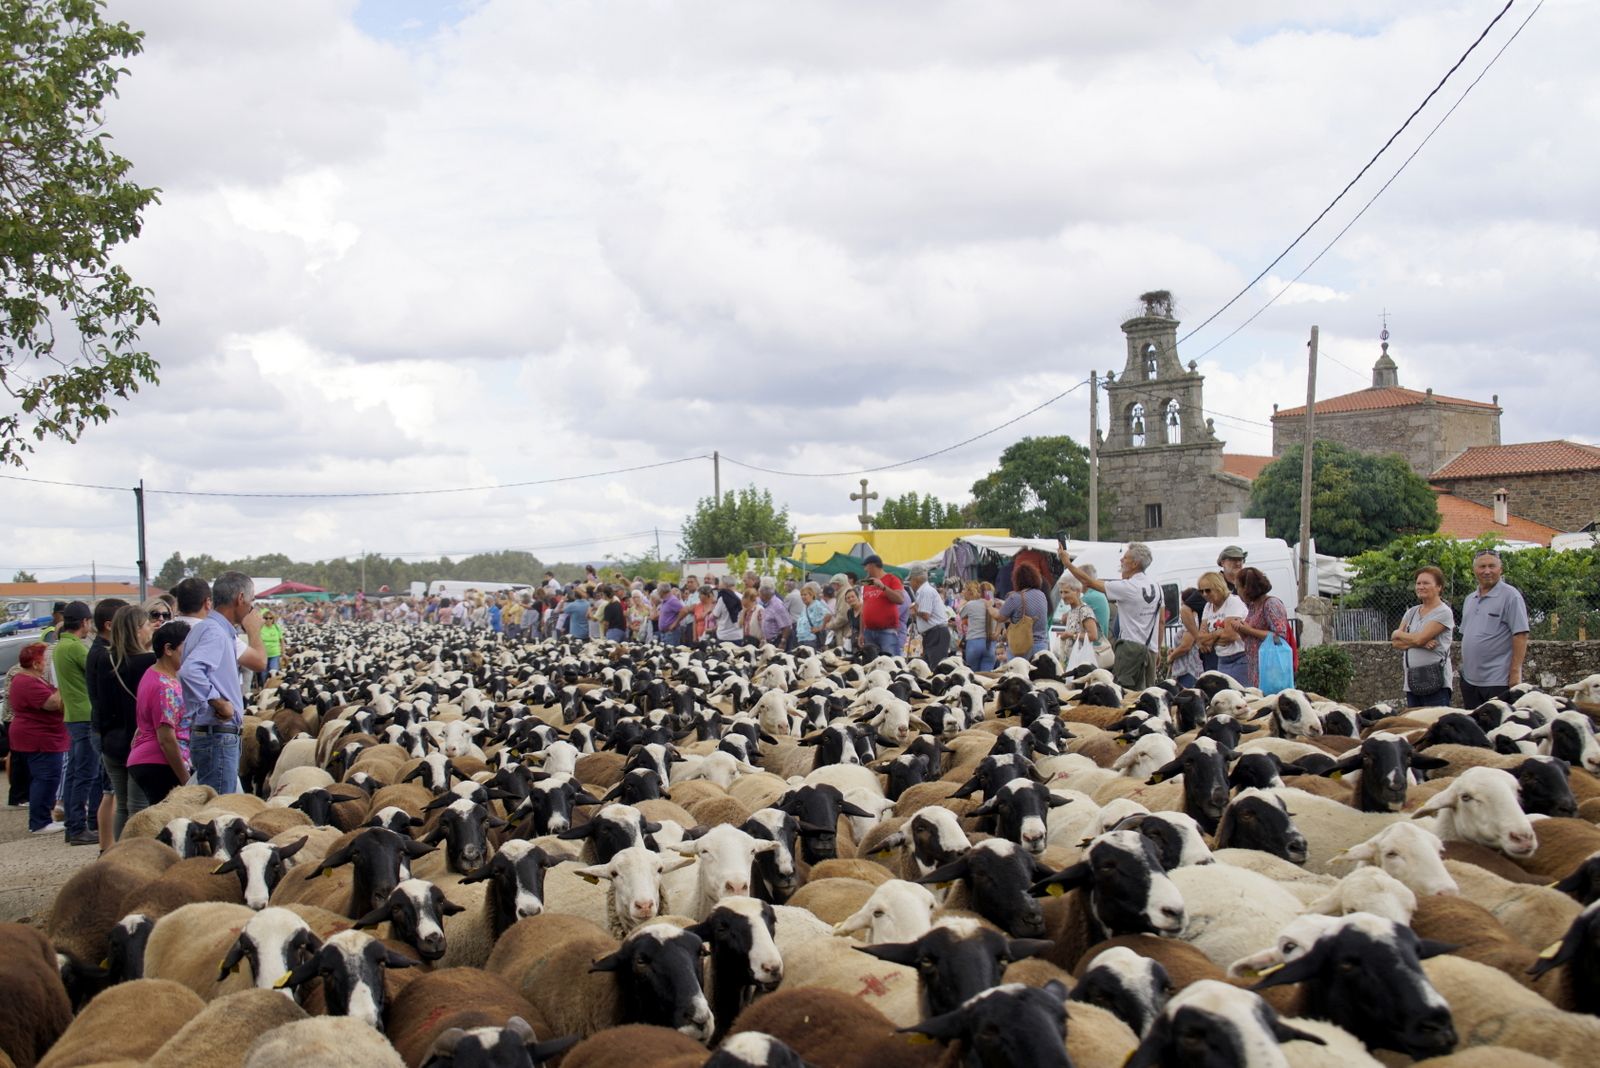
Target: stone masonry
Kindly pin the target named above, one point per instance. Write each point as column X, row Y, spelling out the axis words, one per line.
column 1427, row 434
column 1566, row 500
column 1379, row 676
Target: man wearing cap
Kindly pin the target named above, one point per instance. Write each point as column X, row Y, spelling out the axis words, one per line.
column 1494, row 634
column 930, row 616
column 882, row 594
column 1230, row 561
column 80, row 792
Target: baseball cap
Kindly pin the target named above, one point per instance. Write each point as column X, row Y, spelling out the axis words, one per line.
column 1232, row 552
column 74, row 612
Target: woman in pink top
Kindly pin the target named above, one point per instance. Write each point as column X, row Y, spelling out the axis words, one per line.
column 158, row 760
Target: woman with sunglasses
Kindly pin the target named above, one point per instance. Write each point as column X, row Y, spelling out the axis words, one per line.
column 117, row 687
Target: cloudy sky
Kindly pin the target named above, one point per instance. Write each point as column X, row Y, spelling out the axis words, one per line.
column 409, row 245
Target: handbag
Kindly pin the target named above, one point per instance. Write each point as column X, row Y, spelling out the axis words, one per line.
column 1275, row 671
column 1019, row 636
column 1132, row 661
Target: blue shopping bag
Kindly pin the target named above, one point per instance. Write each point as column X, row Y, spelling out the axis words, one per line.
column 1276, row 665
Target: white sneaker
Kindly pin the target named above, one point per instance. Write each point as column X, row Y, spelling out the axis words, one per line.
column 51, row 828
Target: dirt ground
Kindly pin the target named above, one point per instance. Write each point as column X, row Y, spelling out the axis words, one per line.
column 32, row 867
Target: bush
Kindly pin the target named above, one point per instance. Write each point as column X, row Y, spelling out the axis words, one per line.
column 1326, row 670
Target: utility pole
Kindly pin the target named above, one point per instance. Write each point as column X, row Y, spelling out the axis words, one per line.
column 144, row 564
column 716, row 477
column 658, row 542
column 1306, row 560
column 1094, row 456
column 363, row 571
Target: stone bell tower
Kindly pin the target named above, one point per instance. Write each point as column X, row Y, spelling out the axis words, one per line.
column 1161, row 456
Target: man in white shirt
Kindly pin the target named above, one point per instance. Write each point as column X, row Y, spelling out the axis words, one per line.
column 1138, row 600
column 930, row 616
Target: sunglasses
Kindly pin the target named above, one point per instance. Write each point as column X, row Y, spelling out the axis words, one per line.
column 160, row 615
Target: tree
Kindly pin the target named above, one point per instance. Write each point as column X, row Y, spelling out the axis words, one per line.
column 66, row 202
column 734, row 523
column 172, row 572
column 1040, row 488
column 913, row 512
column 24, row 576
column 1359, row 501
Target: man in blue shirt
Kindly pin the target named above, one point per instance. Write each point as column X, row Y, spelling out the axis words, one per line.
column 1494, row 634
column 213, row 701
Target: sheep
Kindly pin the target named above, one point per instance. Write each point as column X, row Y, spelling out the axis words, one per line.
column 350, row 967
column 297, row 754
column 134, row 1019
column 464, row 999
column 895, row 911
column 583, row 981
column 1577, row 986
column 1230, row 912
column 1141, row 759
column 322, row 1042
column 275, row 941
column 832, row 900
column 37, row 1007
column 415, row 913
column 1133, row 988
column 1231, row 1025
column 509, row 887
column 1490, row 1008
column 633, row 893
column 855, row 1035
column 1119, row 887
column 195, row 879
column 1409, row 853
column 1368, row 890
column 1329, row 826
column 1563, row 845
column 89, row 903
column 260, row 866
column 221, row 1033
column 635, row 1044
column 187, row 943
column 274, row 821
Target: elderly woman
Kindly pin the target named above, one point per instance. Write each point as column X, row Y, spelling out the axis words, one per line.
column 1221, row 605
column 1074, row 619
column 977, row 628
column 1424, row 640
column 1138, row 600
column 38, row 735
column 638, row 616
column 808, row 621
column 1266, row 616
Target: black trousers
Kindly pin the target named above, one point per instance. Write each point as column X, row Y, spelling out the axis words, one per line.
column 936, row 644
column 1473, row 696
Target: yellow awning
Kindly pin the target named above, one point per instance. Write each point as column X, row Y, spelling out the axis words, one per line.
column 895, row 546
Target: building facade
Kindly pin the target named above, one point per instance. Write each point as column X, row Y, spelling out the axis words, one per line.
column 1160, row 456
column 1556, row 483
column 1424, row 427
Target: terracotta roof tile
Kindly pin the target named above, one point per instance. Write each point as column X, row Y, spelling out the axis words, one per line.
column 1244, row 465
column 1364, row 400
column 1465, row 520
column 69, row 590
column 1524, row 458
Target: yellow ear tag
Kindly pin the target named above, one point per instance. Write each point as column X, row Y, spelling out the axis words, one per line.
column 884, row 853
column 1055, row 890
column 105, row 963
column 592, row 880
column 327, row 873
column 283, row 981
column 1549, row 952
column 917, row 1038
column 1156, row 778
column 217, row 870
column 1336, row 776
column 1122, row 741
column 947, row 884
column 1264, row 972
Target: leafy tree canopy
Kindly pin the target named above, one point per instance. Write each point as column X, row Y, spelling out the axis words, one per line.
column 911, row 511
column 1041, row 487
column 65, row 203
column 741, row 519
column 24, row 576
column 1359, row 501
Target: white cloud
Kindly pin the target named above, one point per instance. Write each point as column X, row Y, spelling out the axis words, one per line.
column 539, row 239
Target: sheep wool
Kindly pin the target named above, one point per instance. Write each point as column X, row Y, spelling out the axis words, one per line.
column 135, row 1019
column 222, row 1033
column 323, row 1042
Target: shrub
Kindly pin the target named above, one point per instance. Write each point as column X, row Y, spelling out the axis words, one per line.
column 1326, row 670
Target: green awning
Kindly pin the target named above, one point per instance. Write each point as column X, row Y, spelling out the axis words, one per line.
column 841, row 564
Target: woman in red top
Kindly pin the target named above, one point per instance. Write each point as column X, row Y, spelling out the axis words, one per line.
column 38, row 735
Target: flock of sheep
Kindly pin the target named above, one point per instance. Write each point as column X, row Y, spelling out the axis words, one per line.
column 458, row 851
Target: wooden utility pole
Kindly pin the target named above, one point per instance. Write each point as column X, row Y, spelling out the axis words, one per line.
column 1307, row 562
column 144, row 565
column 1094, row 456
column 716, row 477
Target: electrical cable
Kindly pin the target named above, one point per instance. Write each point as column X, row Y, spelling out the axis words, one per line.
column 1359, row 174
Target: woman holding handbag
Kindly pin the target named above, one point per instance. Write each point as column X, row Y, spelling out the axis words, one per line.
column 1424, row 640
column 1075, row 622
column 1267, row 619
column 1026, row 613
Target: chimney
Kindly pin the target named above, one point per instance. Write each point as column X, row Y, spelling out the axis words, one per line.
column 1501, row 498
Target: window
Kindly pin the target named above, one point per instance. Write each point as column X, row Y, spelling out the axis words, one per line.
column 1150, row 370
column 1174, row 424
column 1152, row 517
column 1136, row 425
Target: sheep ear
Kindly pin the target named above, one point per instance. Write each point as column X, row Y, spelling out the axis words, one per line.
column 1351, row 761
column 948, row 873
column 1166, row 771
column 1284, row 1033
column 539, row 1052
column 1428, row 763
column 1296, row 971
column 1559, row 953
column 968, row 788
column 609, row 963
column 231, row 864
column 1023, row 948
column 450, row 908
column 857, row 921
column 338, row 858
column 1068, row 878
column 306, row 971
column 376, row 916
column 293, row 847
column 893, row 952
column 1056, row 800
column 595, row 872
column 1427, row 947
column 392, row 959
column 948, row 1026
column 230, row 963
column 1437, row 803
column 985, row 809
column 415, row 848
column 477, row 875
column 1356, row 854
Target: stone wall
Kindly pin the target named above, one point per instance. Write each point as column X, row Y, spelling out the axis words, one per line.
column 1566, row 500
column 1427, row 435
column 1184, row 479
column 1379, row 676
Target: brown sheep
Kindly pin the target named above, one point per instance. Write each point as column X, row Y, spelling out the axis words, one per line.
column 411, row 797
column 713, row 811
column 454, row 997
column 832, row 900
column 599, row 769
column 868, row 871
column 222, row 1033
column 692, row 792
column 186, row 882
column 133, row 1019
column 829, row 1027
column 90, row 903
column 275, row 821
column 1563, row 845
column 636, row 1044
column 37, row 1008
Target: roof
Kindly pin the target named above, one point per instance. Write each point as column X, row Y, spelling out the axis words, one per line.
column 1465, row 520
column 1366, row 400
column 1524, row 458
column 1244, row 465
column 70, row 590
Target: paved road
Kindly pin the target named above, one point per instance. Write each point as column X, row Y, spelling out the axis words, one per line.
column 32, row 867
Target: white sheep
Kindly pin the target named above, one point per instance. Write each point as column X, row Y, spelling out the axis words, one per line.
column 1231, row 912
column 1144, row 757
column 1481, row 806
column 1408, row 852
column 1369, row 890
column 322, row 1042
column 722, row 860
column 897, row 911
column 632, row 893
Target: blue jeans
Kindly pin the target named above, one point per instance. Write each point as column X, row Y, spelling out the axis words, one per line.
column 616, row 635
column 80, row 795
column 888, row 641
column 44, row 775
column 1437, row 699
column 216, row 761
column 1233, row 666
column 979, row 654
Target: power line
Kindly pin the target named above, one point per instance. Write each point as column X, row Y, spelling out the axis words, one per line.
column 914, row 459
column 1398, row 171
column 1359, row 174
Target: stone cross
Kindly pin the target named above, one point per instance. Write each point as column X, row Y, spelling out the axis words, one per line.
column 864, row 497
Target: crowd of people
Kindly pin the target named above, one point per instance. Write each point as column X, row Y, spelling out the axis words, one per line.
column 121, row 702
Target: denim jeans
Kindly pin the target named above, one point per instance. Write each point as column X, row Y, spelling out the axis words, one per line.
column 1438, row 699
column 44, row 775
column 616, row 635
column 888, row 642
column 1233, row 666
column 80, row 794
column 980, row 654
column 216, row 761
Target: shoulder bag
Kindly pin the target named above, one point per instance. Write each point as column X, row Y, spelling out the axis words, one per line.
column 1019, row 635
column 1132, row 662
